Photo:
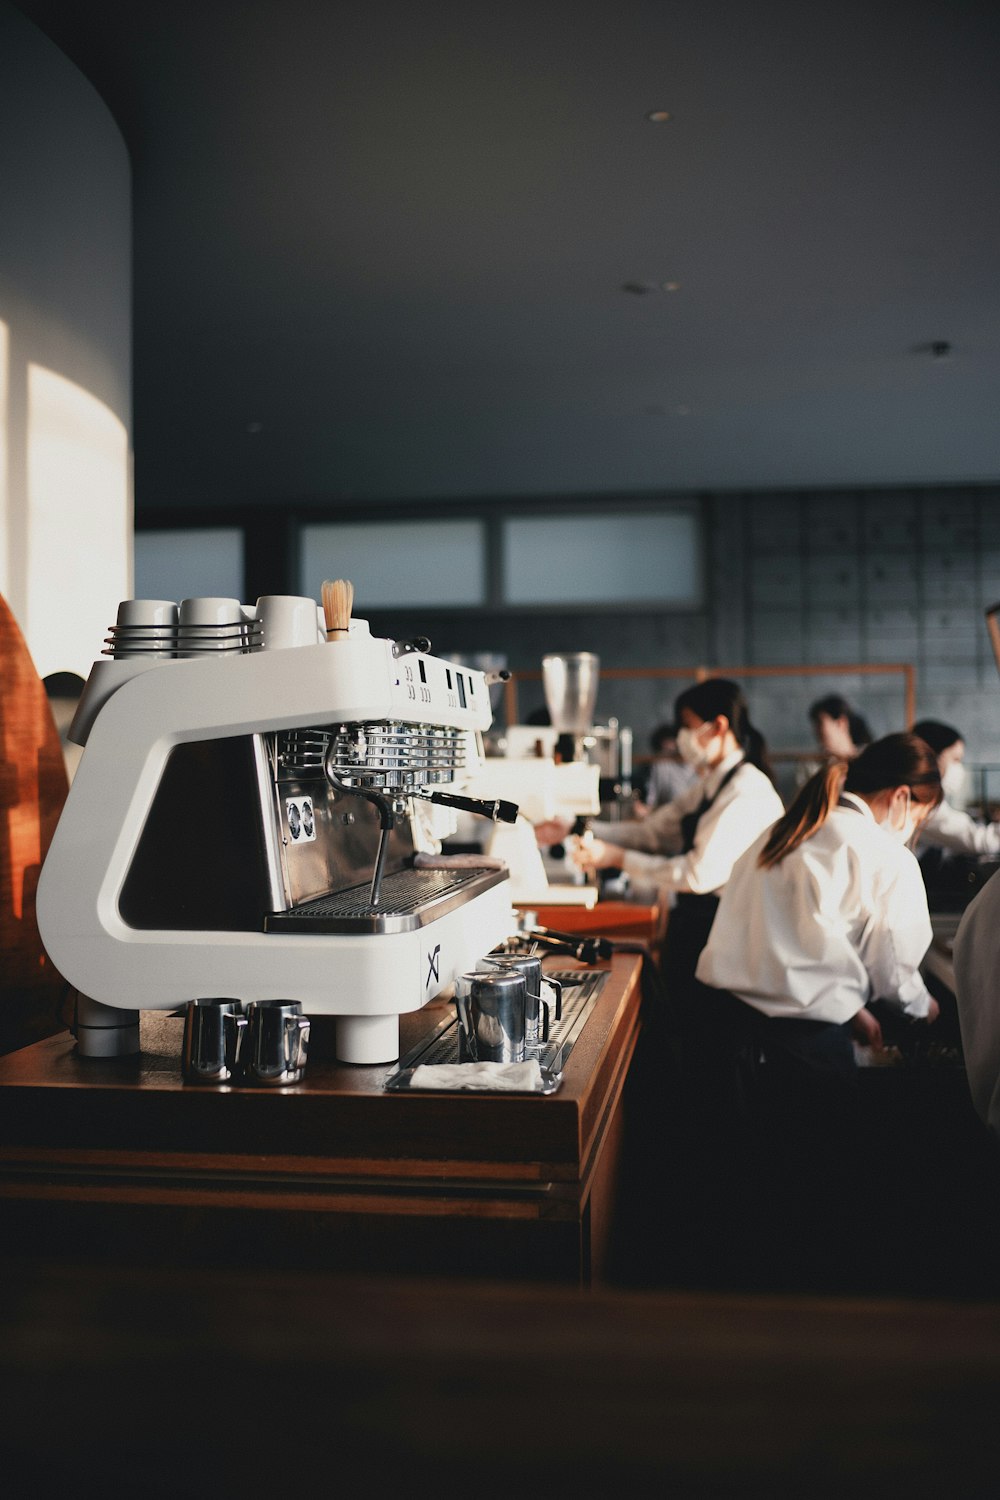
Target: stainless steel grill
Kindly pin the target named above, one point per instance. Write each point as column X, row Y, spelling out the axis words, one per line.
column 410, row 899
column 302, row 752
column 395, row 757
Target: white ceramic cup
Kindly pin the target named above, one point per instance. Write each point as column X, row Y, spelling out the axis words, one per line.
column 146, row 627
column 206, row 610
column 287, row 620
column 147, row 612
column 206, row 623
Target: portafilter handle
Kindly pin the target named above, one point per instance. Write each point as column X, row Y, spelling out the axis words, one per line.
column 495, row 808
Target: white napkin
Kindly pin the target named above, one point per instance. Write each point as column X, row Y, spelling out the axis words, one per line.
column 522, row 1077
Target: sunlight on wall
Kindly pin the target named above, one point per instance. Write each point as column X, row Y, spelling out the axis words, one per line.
column 79, row 522
column 4, row 458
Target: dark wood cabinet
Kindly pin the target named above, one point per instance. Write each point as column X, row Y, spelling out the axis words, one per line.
column 334, row 1174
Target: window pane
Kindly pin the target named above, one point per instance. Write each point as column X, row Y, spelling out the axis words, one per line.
column 628, row 557
column 397, row 562
column 185, row 564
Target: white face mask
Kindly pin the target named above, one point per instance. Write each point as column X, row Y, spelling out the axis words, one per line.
column 953, row 781
column 909, row 828
column 691, row 749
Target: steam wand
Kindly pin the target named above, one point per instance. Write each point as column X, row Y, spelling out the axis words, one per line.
column 386, row 820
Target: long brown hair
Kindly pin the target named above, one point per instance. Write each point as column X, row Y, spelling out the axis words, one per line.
column 896, row 760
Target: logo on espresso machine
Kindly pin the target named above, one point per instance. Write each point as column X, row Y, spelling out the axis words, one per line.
column 433, row 967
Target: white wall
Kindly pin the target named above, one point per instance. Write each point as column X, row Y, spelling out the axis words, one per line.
column 65, row 352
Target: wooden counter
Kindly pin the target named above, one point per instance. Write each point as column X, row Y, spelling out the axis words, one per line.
column 614, row 919
column 334, row 1174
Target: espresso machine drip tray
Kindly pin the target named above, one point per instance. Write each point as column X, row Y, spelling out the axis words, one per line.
column 409, row 899
column 581, row 991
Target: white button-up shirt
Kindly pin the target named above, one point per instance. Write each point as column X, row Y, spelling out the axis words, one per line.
column 947, row 828
column 840, row 920
column 746, row 805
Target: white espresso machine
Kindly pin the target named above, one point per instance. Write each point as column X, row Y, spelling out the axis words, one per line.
column 255, row 816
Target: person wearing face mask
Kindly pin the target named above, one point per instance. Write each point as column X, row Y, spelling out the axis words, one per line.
column 685, row 849
column 827, row 911
column 948, row 828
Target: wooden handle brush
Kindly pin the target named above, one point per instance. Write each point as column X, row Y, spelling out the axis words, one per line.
column 338, row 601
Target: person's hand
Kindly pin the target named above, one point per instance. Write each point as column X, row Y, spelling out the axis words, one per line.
column 640, row 809
column 590, row 854
column 933, row 1011
column 552, row 831
column 866, row 1030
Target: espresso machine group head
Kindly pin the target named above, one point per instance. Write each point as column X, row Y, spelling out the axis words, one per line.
column 257, row 786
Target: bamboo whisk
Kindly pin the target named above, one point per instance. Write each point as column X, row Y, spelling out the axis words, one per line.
column 338, row 601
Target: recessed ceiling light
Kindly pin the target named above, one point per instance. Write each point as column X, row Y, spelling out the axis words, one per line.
column 937, row 349
column 659, row 116
column 671, row 286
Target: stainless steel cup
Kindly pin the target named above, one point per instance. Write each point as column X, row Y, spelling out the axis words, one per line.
column 213, row 1034
column 491, row 1005
column 536, row 1016
column 277, row 1042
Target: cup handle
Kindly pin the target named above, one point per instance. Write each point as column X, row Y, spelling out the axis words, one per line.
column 557, row 988
column 465, row 1024
column 296, row 1040
column 240, row 1023
column 544, row 1008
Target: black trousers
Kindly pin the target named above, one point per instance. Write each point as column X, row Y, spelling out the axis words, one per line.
column 770, row 1134
column 688, row 927
column 779, row 1075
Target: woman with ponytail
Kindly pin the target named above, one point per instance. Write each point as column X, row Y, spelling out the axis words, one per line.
column 823, row 913
column 828, row 910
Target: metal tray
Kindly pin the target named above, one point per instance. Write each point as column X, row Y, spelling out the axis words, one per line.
column 400, row 1082
column 581, row 988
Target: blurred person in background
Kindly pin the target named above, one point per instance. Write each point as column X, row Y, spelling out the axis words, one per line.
column 669, row 775
column 840, row 731
column 949, row 828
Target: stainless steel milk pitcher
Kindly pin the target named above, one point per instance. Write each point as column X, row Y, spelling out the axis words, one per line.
column 491, row 1005
column 536, row 1018
column 277, row 1042
column 213, row 1035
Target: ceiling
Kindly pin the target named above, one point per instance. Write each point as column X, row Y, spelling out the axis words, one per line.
column 380, row 248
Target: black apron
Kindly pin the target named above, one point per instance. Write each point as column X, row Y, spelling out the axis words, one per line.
column 690, row 920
